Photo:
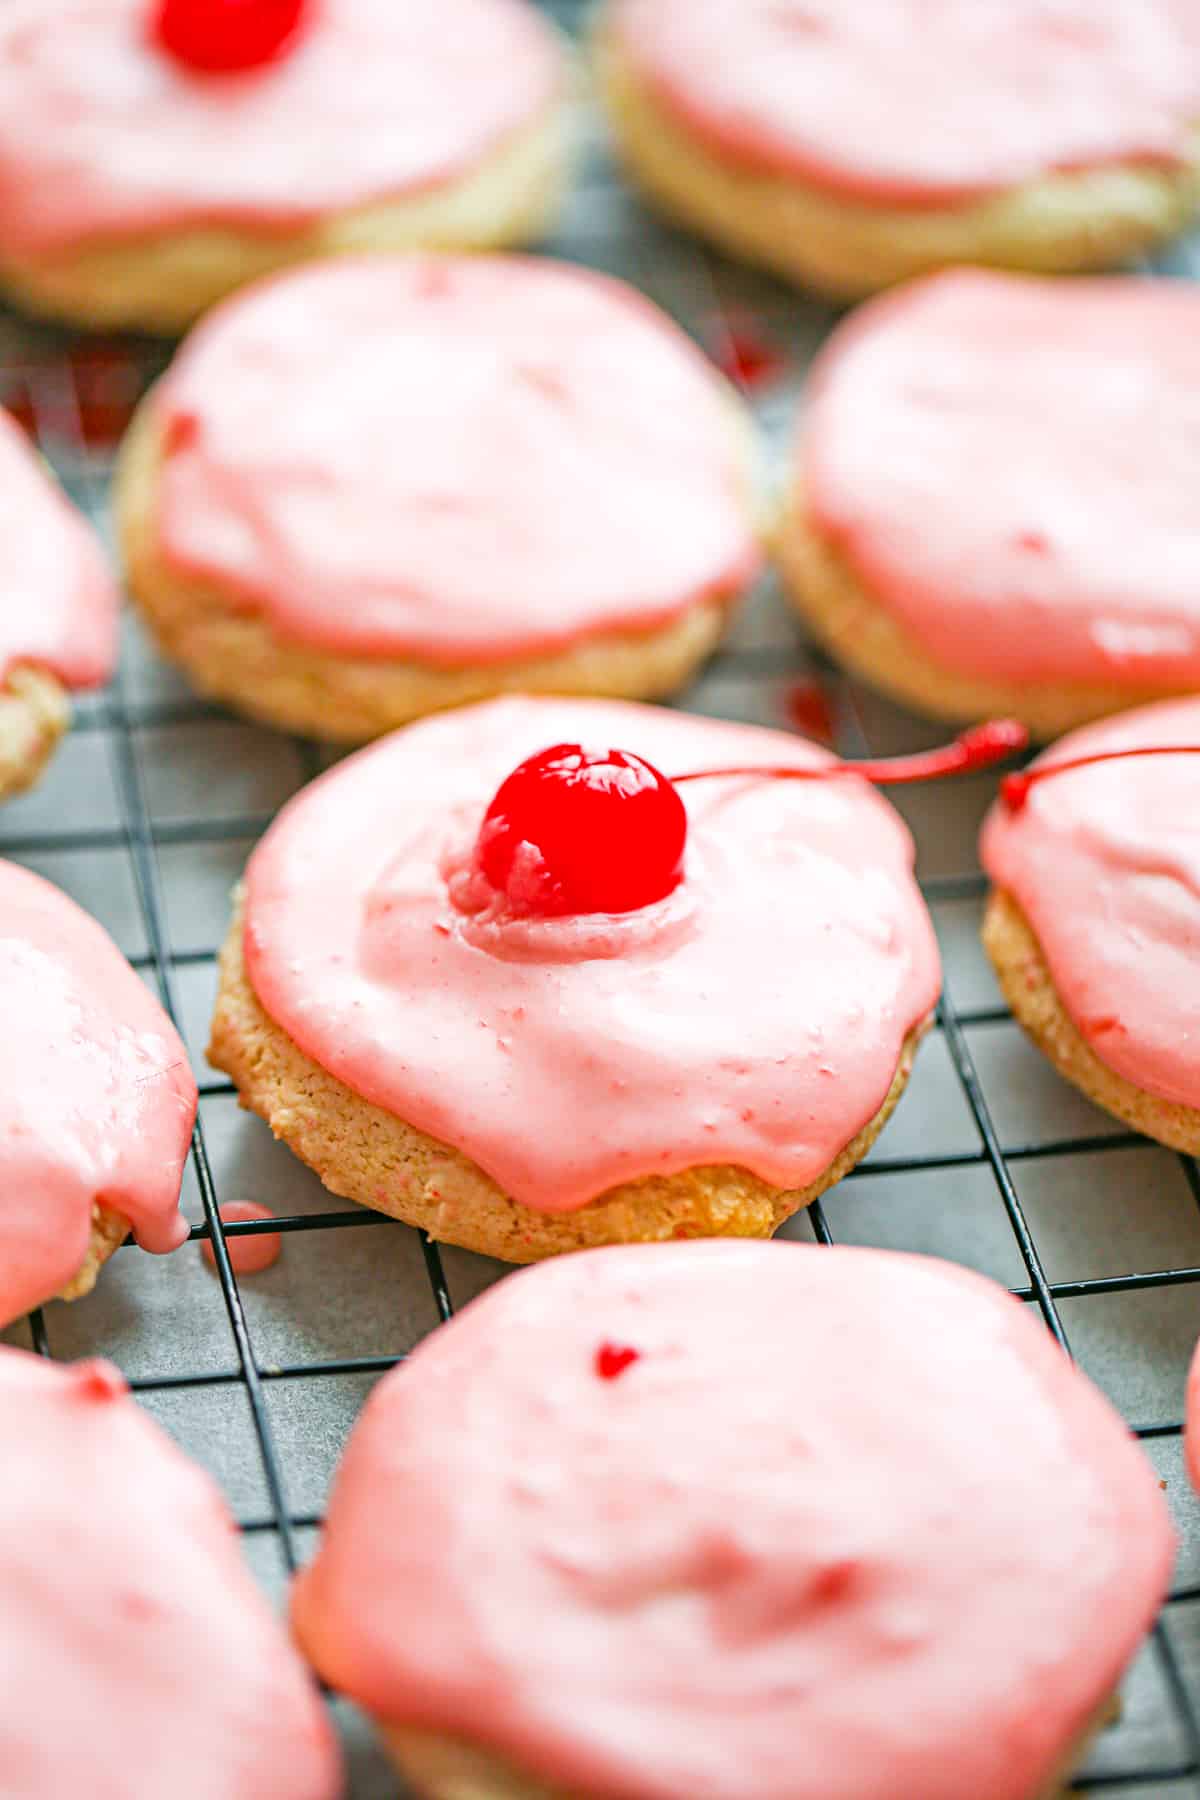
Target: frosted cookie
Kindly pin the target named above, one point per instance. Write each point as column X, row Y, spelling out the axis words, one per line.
column 1093, row 924
column 723, row 1576
column 58, row 611
column 155, row 154
column 141, row 1659
column 388, row 485
column 587, row 1006
column 848, row 144
column 96, row 1101
column 993, row 500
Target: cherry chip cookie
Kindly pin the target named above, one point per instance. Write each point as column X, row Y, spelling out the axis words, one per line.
column 539, row 975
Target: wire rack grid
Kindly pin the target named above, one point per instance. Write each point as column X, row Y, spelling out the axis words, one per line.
column 146, row 817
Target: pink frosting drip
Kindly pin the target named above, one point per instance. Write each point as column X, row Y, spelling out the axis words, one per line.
column 459, row 458
column 1191, row 1442
column 1191, row 1439
column 98, row 1098
column 849, row 1526
column 58, row 601
column 1011, row 467
column 103, row 136
column 139, row 1658
column 920, row 102
column 754, row 1017
column 1105, row 862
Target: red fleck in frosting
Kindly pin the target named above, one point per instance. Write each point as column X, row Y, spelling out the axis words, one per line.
column 1105, row 863
column 462, row 459
column 58, row 601
column 104, row 136
column 98, row 1099
column 851, row 1526
column 1010, row 467
column 754, row 1016
column 923, row 102
column 612, row 1360
column 140, row 1658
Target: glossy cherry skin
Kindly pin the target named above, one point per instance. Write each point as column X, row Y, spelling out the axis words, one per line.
column 583, row 831
column 224, row 37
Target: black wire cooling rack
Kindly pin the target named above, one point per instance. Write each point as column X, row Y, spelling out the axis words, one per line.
column 152, row 804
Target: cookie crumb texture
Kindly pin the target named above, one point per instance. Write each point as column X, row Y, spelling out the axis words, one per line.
column 1028, row 986
column 366, row 1154
column 34, row 714
column 108, row 1232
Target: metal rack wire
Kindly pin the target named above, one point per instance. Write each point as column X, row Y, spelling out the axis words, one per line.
column 74, row 402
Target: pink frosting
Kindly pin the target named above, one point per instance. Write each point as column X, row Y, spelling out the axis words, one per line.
column 139, row 1658
column 850, row 1525
column 58, row 601
column 753, row 1017
column 1011, row 467
column 98, row 1098
column 459, row 458
column 920, row 102
column 103, row 136
column 1105, row 862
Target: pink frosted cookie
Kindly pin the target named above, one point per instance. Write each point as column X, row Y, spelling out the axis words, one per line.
column 1094, row 918
column 614, row 1009
column 58, row 611
column 97, row 1101
column 140, row 1660
column 742, row 1521
column 155, row 154
column 852, row 143
column 385, row 486
column 993, row 507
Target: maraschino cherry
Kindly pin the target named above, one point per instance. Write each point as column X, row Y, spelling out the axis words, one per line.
column 583, row 831
column 603, row 831
column 224, row 37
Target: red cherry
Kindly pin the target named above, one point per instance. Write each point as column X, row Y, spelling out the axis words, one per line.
column 612, row 1360
column 583, row 831
column 223, row 37
column 590, row 831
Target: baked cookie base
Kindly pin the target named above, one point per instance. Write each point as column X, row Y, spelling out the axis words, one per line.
column 232, row 655
column 366, row 1154
column 34, row 713
column 161, row 283
column 108, row 1232
column 446, row 1768
column 1092, row 219
column 1028, row 986
column 859, row 632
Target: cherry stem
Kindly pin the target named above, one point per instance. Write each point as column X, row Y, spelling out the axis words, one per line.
column 1015, row 788
column 976, row 749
